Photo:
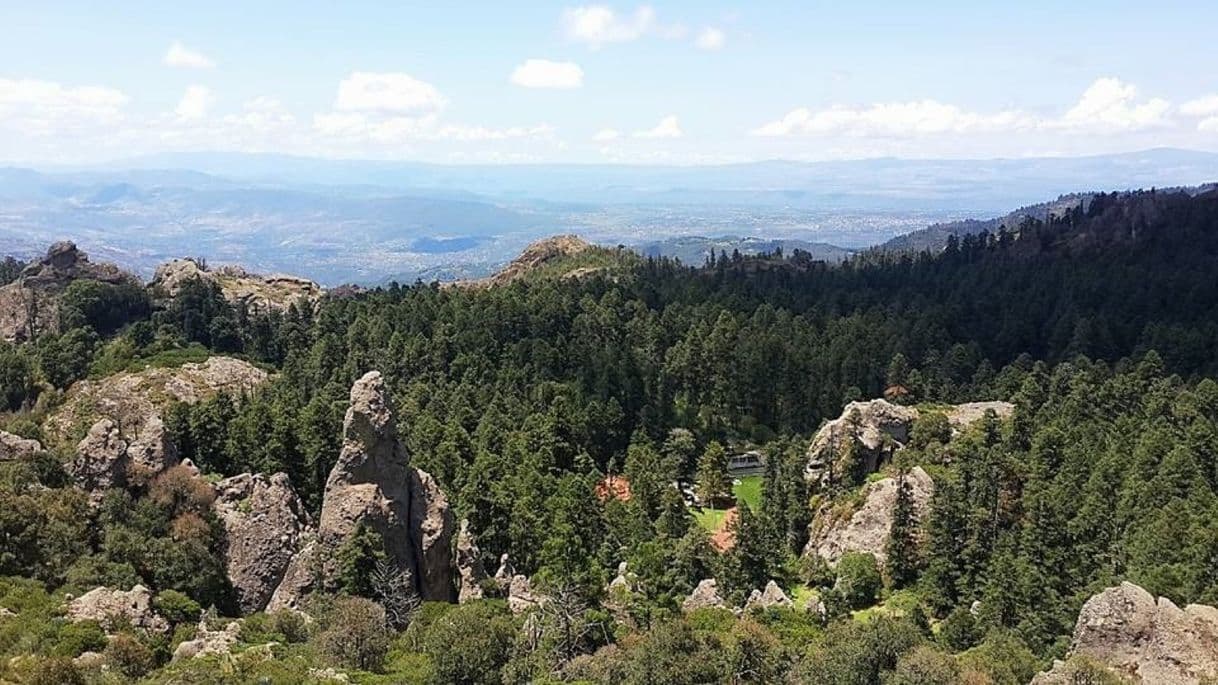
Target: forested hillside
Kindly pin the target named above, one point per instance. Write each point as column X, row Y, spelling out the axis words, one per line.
column 518, row 400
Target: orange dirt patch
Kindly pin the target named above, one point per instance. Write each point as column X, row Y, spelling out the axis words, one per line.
column 724, row 537
column 616, row 487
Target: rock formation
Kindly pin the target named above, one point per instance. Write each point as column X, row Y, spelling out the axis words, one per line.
column 29, row 305
column 209, row 642
column 264, row 524
column 520, row 596
column 275, row 292
column 866, row 530
column 106, row 605
column 134, row 401
column 703, row 596
column 373, row 485
column 101, row 460
column 470, row 570
column 877, row 427
column 1151, row 641
column 15, row 447
column 772, row 596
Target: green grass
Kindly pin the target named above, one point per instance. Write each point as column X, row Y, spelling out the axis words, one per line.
column 748, row 490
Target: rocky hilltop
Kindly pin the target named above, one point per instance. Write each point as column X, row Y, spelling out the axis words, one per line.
column 374, row 486
column 118, row 420
column 273, row 292
column 30, row 305
column 535, row 258
column 1148, row 640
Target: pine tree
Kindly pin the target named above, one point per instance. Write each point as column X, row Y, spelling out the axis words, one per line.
column 902, row 550
column 713, row 483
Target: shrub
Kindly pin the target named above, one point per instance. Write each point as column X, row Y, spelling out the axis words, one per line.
column 176, row 607
column 355, row 634
column 470, row 643
column 858, row 579
column 52, row 671
column 129, row 656
column 78, row 638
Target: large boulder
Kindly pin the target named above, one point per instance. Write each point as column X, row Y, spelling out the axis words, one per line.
column 521, row 597
column 373, row 485
column 866, row 530
column 771, row 597
column 276, row 292
column 264, row 525
column 1150, row 641
column 15, row 447
column 704, row 596
column 29, row 306
column 101, row 459
column 112, row 608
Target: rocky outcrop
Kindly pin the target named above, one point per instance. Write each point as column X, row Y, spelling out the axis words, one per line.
column 15, row 447
column 866, row 530
column 877, row 428
column 772, row 596
column 29, row 305
column 962, row 416
column 704, row 596
column 520, row 595
column 373, row 485
column 209, row 642
column 264, row 525
column 1151, row 641
column 471, row 572
column 257, row 292
column 134, row 401
column 106, row 606
column 101, row 459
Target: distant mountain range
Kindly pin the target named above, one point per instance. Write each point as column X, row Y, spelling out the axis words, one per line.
column 365, row 221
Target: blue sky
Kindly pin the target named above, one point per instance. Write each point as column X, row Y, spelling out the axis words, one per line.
column 665, row 82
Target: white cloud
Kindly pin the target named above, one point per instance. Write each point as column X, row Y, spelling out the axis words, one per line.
column 1201, row 107
column 1209, row 125
column 542, row 73
column 387, row 93
column 598, row 25
column 1107, row 106
column 45, row 109
column 183, row 57
column 668, row 127
column 1110, row 104
column 194, row 103
column 606, row 134
column 710, row 38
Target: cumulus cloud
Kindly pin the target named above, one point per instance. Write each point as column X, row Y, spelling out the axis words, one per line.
column 542, row 73
column 606, row 134
column 668, row 127
column 1209, row 125
column 710, row 38
column 387, row 93
column 1201, row 107
column 597, row 25
column 42, row 109
column 194, row 103
column 1108, row 105
column 183, row 57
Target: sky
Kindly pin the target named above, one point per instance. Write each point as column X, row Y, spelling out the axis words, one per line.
column 665, row 82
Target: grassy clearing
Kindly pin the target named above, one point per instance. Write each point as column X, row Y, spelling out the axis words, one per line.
column 748, row 490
